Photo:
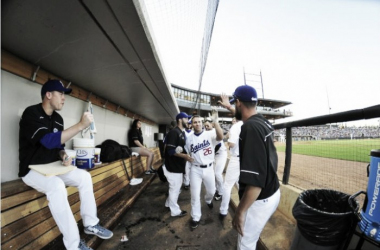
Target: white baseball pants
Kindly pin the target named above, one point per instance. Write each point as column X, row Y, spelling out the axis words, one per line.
column 186, row 176
column 197, row 176
column 220, row 163
column 256, row 217
column 54, row 187
column 175, row 183
column 231, row 177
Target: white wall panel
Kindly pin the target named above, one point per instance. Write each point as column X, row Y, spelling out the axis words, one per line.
column 18, row 93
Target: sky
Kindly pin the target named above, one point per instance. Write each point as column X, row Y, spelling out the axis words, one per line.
column 316, row 54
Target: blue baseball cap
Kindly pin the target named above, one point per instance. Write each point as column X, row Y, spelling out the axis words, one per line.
column 244, row 93
column 54, row 85
column 182, row 115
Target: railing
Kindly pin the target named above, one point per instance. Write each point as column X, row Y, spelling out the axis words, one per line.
column 337, row 163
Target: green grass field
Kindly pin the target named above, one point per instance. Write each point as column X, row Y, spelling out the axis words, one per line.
column 351, row 150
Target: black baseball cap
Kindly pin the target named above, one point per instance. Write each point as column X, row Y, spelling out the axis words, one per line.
column 244, row 93
column 54, row 85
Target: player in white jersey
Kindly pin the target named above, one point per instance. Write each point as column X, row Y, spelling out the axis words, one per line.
column 220, row 162
column 200, row 145
column 233, row 168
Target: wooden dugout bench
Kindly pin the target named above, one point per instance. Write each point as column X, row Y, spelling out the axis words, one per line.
column 26, row 221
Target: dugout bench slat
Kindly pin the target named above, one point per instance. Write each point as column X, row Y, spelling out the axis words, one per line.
column 26, row 219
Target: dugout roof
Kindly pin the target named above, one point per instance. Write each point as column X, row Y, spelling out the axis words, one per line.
column 102, row 46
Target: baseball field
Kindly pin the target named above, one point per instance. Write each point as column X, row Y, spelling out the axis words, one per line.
column 350, row 150
column 331, row 164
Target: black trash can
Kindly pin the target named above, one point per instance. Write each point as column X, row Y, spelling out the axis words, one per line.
column 325, row 220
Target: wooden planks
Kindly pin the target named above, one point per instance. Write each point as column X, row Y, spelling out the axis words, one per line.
column 26, row 219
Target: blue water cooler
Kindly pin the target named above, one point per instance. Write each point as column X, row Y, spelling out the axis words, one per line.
column 370, row 214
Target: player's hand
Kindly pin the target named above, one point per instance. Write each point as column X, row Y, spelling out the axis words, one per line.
column 189, row 159
column 214, row 115
column 238, row 224
column 66, row 160
column 86, row 120
column 225, row 102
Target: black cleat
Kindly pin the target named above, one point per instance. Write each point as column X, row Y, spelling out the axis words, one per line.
column 183, row 213
column 222, row 216
column 194, row 224
column 217, row 196
column 186, row 187
column 210, row 205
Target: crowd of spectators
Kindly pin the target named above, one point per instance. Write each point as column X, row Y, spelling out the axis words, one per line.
column 331, row 132
column 325, row 132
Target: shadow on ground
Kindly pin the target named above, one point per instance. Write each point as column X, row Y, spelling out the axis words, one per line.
column 148, row 225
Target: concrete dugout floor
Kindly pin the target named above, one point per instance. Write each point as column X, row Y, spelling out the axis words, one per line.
column 148, row 225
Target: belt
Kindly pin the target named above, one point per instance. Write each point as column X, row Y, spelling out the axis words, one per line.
column 204, row 166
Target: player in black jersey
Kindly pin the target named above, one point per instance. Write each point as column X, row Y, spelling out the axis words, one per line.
column 259, row 191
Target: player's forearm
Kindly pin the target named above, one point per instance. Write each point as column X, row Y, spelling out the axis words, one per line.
column 231, row 145
column 219, row 131
column 184, row 156
column 231, row 109
column 69, row 133
column 249, row 197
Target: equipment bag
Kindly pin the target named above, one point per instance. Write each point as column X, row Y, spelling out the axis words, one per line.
column 111, row 151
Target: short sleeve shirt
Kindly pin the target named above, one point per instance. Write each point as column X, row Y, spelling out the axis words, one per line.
column 175, row 138
column 135, row 134
column 202, row 147
column 258, row 157
column 34, row 125
column 234, row 138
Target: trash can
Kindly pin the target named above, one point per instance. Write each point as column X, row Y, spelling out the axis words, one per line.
column 324, row 220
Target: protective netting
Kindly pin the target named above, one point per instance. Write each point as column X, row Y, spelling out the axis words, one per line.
column 182, row 31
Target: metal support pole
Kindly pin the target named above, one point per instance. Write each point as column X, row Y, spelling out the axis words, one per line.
column 262, row 85
column 288, row 156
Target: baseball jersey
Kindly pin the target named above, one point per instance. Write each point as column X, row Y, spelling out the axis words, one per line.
column 188, row 132
column 34, row 125
column 201, row 147
column 219, row 147
column 234, row 138
column 258, row 157
column 173, row 163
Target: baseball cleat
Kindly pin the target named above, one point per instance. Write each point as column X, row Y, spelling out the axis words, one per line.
column 194, row 224
column 181, row 214
column 211, row 205
column 217, row 196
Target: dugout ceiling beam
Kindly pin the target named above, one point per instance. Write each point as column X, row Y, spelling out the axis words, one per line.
column 99, row 46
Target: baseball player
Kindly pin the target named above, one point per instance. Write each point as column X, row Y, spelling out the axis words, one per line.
column 220, row 162
column 259, row 190
column 175, row 160
column 233, row 169
column 201, row 146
